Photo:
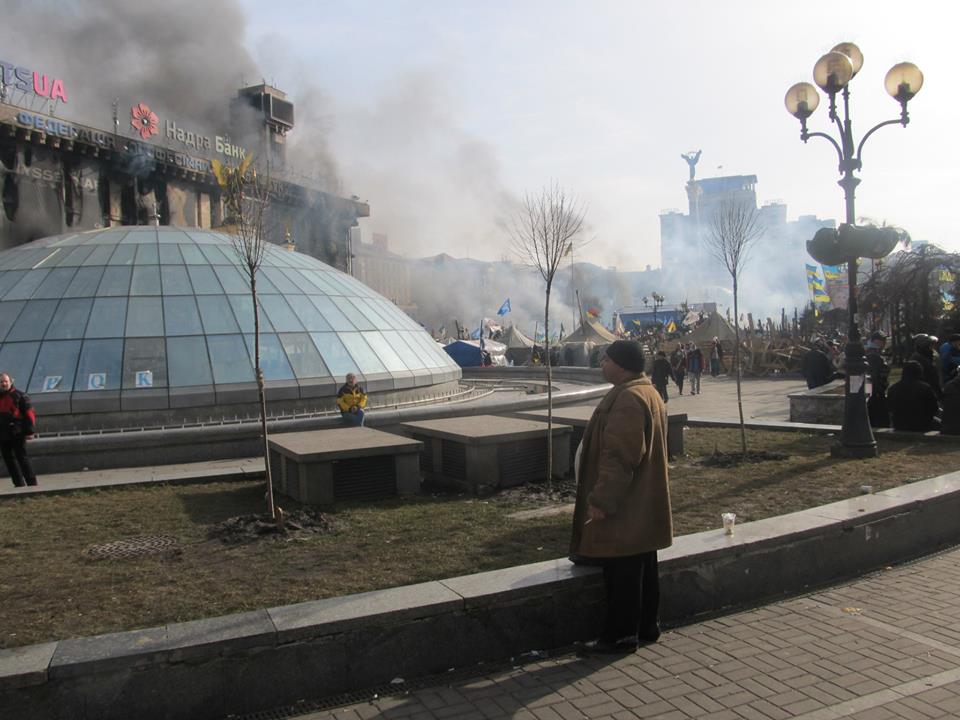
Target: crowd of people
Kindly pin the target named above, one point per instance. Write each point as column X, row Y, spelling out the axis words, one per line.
column 925, row 398
column 686, row 361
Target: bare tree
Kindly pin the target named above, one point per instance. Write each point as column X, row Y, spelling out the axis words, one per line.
column 542, row 232
column 246, row 197
column 734, row 229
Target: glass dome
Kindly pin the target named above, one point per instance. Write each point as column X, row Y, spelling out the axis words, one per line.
column 156, row 319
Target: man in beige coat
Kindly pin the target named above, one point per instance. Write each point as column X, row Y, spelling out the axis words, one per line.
column 623, row 511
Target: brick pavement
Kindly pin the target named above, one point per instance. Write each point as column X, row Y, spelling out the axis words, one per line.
column 885, row 646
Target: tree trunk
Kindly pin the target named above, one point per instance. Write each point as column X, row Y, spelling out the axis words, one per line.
column 546, row 348
column 736, row 362
column 261, row 395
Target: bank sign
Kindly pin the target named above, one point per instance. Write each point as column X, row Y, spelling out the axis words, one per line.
column 26, row 80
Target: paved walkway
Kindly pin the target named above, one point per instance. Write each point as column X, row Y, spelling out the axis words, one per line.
column 882, row 647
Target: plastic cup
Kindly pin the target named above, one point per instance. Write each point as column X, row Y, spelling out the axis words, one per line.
column 729, row 520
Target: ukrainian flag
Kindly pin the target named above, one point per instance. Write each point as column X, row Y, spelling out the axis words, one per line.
column 832, row 272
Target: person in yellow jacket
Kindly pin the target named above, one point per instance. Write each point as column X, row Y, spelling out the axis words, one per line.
column 351, row 399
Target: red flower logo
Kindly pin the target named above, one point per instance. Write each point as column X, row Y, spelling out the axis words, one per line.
column 144, row 120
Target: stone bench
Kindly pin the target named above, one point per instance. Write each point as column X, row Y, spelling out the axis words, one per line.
column 485, row 451
column 577, row 416
column 324, row 466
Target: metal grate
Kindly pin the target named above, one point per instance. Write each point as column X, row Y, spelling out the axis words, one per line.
column 454, row 459
column 365, row 478
column 134, row 547
column 522, row 461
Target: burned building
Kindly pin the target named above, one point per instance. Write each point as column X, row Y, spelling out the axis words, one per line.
column 59, row 176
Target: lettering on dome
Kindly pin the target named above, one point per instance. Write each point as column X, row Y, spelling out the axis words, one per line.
column 51, row 383
column 143, row 379
column 97, row 381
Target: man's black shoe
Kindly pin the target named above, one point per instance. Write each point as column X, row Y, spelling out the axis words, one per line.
column 623, row 646
column 649, row 635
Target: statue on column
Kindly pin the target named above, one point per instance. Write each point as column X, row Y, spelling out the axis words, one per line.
column 692, row 159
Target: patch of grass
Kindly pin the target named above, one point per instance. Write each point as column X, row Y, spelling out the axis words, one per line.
column 51, row 589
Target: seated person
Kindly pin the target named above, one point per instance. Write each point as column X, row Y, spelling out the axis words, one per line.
column 912, row 402
column 351, row 399
column 951, row 405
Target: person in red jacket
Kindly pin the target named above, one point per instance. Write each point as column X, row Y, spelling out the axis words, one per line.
column 17, row 425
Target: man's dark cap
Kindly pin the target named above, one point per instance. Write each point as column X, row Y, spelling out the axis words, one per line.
column 627, row 354
column 878, row 335
column 953, row 337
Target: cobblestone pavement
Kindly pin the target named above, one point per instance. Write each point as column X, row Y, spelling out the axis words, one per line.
column 881, row 647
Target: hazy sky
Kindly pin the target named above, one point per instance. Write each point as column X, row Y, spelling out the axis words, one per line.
column 440, row 111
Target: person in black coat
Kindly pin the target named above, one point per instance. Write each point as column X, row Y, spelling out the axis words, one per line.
column 925, row 354
column 877, row 407
column 661, row 374
column 913, row 404
column 816, row 367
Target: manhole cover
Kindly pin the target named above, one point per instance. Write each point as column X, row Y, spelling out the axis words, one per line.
column 133, row 547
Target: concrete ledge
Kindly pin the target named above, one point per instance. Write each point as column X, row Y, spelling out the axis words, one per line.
column 268, row 658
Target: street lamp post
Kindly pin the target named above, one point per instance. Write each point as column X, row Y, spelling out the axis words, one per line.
column 833, row 73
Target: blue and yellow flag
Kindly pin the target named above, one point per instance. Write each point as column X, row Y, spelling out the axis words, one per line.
column 832, row 272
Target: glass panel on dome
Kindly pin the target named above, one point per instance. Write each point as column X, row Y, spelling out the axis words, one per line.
column 140, row 237
column 422, row 345
column 27, row 286
column 280, row 280
column 391, row 314
column 9, row 311
column 232, row 279
column 123, row 255
column 100, row 255
column 55, row 368
column 304, row 285
column 192, row 255
column 215, row 256
column 217, row 314
column 383, row 351
column 243, row 311
column 108, row 318
column 33, row 320
column 25, row 259
column 318, row 279
column 181, row 316
column 175, row 280
column 341, row 288
column 70, row 320
column 281, row 316
column 144, row 363
column 204, row 281
column 273, row 360
column 187, row 361
column 228, row 356
column 307, row 312
column 409, row 356
column 367, row 360
column 85, row 282
column 304, row 358
column 372, row 313
column 353, row 313
column 334, row 353
column 116, row 281
column 144, row 316
column 146, row 280
column 56, row 283
column 9, row 279
column 69, row 257
column 101, row 364
column 170, row 255
column 264, row 286
column 331, row 313
column 16, row 359
column 147, row 255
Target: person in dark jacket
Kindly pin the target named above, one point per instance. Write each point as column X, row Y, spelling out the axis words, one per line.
column 913, row 404
column 951, row 406
column 695, row 367
column 924, row 353
column 877, row 407
column 950, row 357
column 679, row 362
column 661, row 374
column 18, row 424
column 816, row 367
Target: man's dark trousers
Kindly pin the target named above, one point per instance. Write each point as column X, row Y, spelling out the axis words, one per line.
column 14, row 453
column 633, row 597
